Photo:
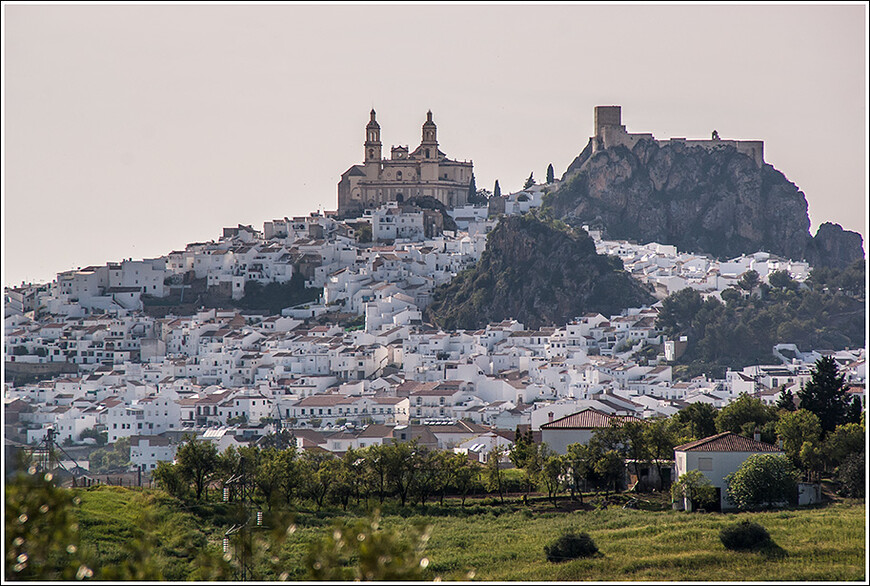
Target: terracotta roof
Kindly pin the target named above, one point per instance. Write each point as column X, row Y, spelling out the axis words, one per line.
column 727, row 442
column 588, row 419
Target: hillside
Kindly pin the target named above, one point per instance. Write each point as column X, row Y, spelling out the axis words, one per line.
column 538, row 274
column 715, row 201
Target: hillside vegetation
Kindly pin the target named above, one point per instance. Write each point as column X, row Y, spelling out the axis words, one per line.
column 827, row 314
column 539, row 273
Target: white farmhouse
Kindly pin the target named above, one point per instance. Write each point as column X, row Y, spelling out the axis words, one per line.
column 718, row 456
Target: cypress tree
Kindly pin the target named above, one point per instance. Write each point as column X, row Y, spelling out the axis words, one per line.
column 530, row 181
column 551, row 175
column 496, row 192
column 825, row 395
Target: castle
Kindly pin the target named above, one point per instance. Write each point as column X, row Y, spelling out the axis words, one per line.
column 425, row 172
column 610, row 132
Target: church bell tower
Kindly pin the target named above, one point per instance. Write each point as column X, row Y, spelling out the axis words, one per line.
column 373, row 140
column 430, row 137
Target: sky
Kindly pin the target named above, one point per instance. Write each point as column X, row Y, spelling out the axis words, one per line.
column 132, row 130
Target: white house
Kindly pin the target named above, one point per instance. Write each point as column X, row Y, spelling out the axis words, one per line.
column 146, row 451
column 718, row 456
column 578, row 428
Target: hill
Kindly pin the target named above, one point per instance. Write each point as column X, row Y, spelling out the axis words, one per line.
column 716, row 201
column 540, row 273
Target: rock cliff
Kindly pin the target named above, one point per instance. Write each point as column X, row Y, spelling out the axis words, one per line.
column 701, row 200
column 538, row 273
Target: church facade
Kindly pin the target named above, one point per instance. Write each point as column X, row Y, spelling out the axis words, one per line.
column 424, row 172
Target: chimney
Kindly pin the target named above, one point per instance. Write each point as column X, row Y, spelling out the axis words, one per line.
column 757, row 435
column 550, row 417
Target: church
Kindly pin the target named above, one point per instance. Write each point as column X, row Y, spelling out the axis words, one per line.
column 424, row 172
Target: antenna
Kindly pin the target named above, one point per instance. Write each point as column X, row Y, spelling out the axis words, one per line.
column 46, row 456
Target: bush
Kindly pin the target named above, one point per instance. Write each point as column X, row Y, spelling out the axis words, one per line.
column 744, row 536
column 570, row 546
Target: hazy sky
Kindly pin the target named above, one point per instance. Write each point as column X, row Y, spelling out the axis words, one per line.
column 133, row 130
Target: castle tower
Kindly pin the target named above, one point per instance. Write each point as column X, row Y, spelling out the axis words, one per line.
column 430, row 137
column 373, row 140
column 607, row 116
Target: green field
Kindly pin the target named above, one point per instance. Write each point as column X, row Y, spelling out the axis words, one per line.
column 497, row 542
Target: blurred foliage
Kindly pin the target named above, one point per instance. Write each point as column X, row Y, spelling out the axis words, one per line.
column 364, row 550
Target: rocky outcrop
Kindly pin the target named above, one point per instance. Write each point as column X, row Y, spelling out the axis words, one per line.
column 716, row 201
column 537, row 273
column 834, row 246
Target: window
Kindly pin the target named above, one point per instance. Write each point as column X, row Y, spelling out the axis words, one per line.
column 705, row 464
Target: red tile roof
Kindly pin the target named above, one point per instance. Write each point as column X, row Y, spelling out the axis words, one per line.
column 727, row 442
column 588, row 419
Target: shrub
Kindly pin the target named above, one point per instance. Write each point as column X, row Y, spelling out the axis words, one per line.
column 570, row 546
column 744, row 536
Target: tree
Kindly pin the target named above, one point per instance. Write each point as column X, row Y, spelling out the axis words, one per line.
column 580, row 463
column 168, row 476
column 845, row 440
column 610, row 467
column 431, row 475
column 402, row 465
column 524, row 455
column 762, row 481
column 197, row 462
column 100, row 436
column 318, row 471
column 530, row 181
column 462, row 474
column 660, row 436
column 496, row 191
column 749, row 281
column 679, row 311
column 825, row 394
column 852, row 474
column 794, row 429
column 786, row 401
column 694, row 487
column 551, row 474
column 697, row 420
column 494, row 475
column 472, row 189
column 745, row 415
column 364, row 233
column 376, row 464
column 111, row 458
column 551, row 175
column 781, row 280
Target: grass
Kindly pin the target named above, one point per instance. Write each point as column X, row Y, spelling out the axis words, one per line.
column 506, row 543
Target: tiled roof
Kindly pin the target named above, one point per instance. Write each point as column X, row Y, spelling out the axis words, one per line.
column 727, row 442
column 588, row 419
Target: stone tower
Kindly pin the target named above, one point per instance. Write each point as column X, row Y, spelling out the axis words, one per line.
column 373, row 140
column 430, row 137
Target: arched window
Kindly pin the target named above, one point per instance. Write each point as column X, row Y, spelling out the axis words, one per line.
column 400, row 198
